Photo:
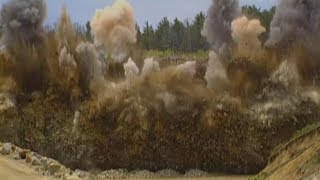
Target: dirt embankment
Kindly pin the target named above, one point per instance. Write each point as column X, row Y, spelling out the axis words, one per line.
column 298, row 159
column 234, row 143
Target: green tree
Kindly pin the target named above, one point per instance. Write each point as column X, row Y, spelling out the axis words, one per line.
column 162, row 34
column 186, row 44
column 139, row 35
column 177, row 34
column 187, row 36
column 197, row 40
column 147, row 37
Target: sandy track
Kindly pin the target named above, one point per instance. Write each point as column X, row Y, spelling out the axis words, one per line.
column 17, row 170
column 11, row 169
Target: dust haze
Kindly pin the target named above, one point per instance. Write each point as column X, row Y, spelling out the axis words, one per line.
column 159, row 110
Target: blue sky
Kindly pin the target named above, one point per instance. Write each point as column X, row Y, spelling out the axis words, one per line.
column 145, row 10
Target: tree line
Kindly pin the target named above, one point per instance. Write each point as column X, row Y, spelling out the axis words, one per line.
column 184, row 36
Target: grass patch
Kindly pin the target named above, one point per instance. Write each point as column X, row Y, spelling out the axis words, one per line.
column 317, row 159
column 306, row 130
column 200, row 54
column 260, row 176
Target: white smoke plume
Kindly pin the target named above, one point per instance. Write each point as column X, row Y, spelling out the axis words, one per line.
column 22, row 20
column 76, row 119
column 266, row 112
column 245, row 33
column 68, row 67
column 7, row 84
column 216, row 76
column 7, row 101
column 131, row 70
column 187, row 70
column 312, row 94
column 169, row 101
column 287, row 74
column 90, row 67
column 64, row 29
column 217, row 27
column 150, row 65
column 114, row 27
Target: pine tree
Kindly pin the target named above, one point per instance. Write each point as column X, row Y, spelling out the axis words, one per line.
column 162, row 34
column 147, row 37
column 176, row 34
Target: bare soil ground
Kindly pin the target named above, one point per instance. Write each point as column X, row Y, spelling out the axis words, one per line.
column 17, row 170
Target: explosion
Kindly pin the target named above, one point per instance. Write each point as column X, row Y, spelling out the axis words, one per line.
column 217, row 28
column 150, row 65
column 64, row 30
column 68, row 69
column 295, row 29
column 295, row 22
column 22, row 20
column 90, row 67
column 287, row 75
column 130, row 69
column 153, row 118
column 245, row 34
column 216, row 75
column 115, row 28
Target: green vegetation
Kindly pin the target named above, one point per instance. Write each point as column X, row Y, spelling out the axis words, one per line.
column 176, row 35
column 260, row 176
column 306, row 130
column 198, row 55
column 181, row 36
column 318, row 159
column 186, row 36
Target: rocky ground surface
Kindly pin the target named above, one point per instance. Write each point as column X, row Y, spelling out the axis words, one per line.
column 22, row 164
column 218, row 135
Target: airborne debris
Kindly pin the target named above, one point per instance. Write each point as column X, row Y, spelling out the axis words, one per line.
column 157, row 118
column 114, row 27
column 23, row 20
column 6, row 101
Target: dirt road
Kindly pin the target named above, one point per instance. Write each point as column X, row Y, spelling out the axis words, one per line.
column 16, row 170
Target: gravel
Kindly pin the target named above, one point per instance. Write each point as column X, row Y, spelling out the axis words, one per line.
column 51, row 168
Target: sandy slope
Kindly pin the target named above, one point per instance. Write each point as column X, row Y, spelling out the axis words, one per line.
column 17, row 170
column 300, row 158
